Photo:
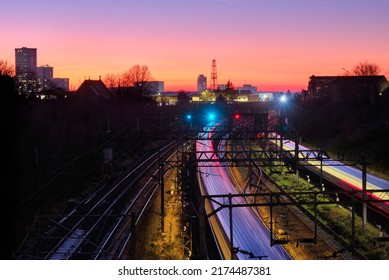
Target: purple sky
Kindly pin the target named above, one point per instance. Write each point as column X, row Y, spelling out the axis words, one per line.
column 272, row 44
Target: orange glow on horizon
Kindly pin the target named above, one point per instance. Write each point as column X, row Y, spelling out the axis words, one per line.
column 274, row 46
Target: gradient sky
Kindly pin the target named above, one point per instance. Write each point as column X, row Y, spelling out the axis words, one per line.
column 272, row 44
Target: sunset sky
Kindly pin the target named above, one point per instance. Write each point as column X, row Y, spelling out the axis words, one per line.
column 272, row 44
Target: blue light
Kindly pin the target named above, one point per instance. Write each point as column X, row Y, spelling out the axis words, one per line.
column 188, row 117
column 211, row 116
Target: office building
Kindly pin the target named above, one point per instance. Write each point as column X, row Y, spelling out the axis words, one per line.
column 25, row 69
column 247, row 89
column 45, row 76
column 201, row 83
column 61, row 83
column 25, row 61
column 155, row 86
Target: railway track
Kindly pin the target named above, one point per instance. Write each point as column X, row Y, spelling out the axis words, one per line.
column 249, row 234
column 339, row 244
column 100, row 226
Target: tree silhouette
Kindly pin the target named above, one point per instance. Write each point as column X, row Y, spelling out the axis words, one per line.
column 366, row 69
column 6, row 69
column 229, row 86
column 111, row 80
column 137, row 76
column 230, row 91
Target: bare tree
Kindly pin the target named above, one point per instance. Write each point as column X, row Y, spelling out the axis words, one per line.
column 124, row 80
column 136, row 76
column 6, row 69
column 111, row 80
column 366, row 69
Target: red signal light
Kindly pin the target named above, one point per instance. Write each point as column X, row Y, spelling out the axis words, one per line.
column 236, row 116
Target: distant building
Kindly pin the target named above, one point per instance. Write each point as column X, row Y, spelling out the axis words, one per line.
column 62, row 83
column 170, row 97
column 45, row 76
column 221, row 87
column 26, row 84
column 360, row 89
column 31, row 79
column 155, row 86
column 265, row 96
column 148, row 87
column 247, row 89
column 165, row 98
column 201, row 83
column 25, row 70
column 46, row 80
column 93, row 89
column 242, row 98
column 45, row 72
column 25, row 61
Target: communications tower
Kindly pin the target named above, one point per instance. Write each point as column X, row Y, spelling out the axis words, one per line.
column 214, row 76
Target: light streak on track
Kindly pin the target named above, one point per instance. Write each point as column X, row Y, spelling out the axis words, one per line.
column 350, row 178
column 249, row 233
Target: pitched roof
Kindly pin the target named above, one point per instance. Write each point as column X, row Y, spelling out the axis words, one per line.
column 95, row 88
column 348, row 79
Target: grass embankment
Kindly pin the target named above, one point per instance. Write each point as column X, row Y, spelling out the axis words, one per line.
column 335, row 216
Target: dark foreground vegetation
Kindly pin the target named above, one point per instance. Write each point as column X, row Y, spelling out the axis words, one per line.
column 347, row 128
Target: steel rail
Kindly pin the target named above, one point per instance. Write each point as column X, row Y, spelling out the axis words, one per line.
column 112, row 245
column 141, row 168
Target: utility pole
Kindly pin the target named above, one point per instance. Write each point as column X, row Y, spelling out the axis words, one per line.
column 364, row 202
column 162, row 184
column 231, row 226
column 36, row 171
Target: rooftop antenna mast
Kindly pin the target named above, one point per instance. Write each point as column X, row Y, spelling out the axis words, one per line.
column 214, row 76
